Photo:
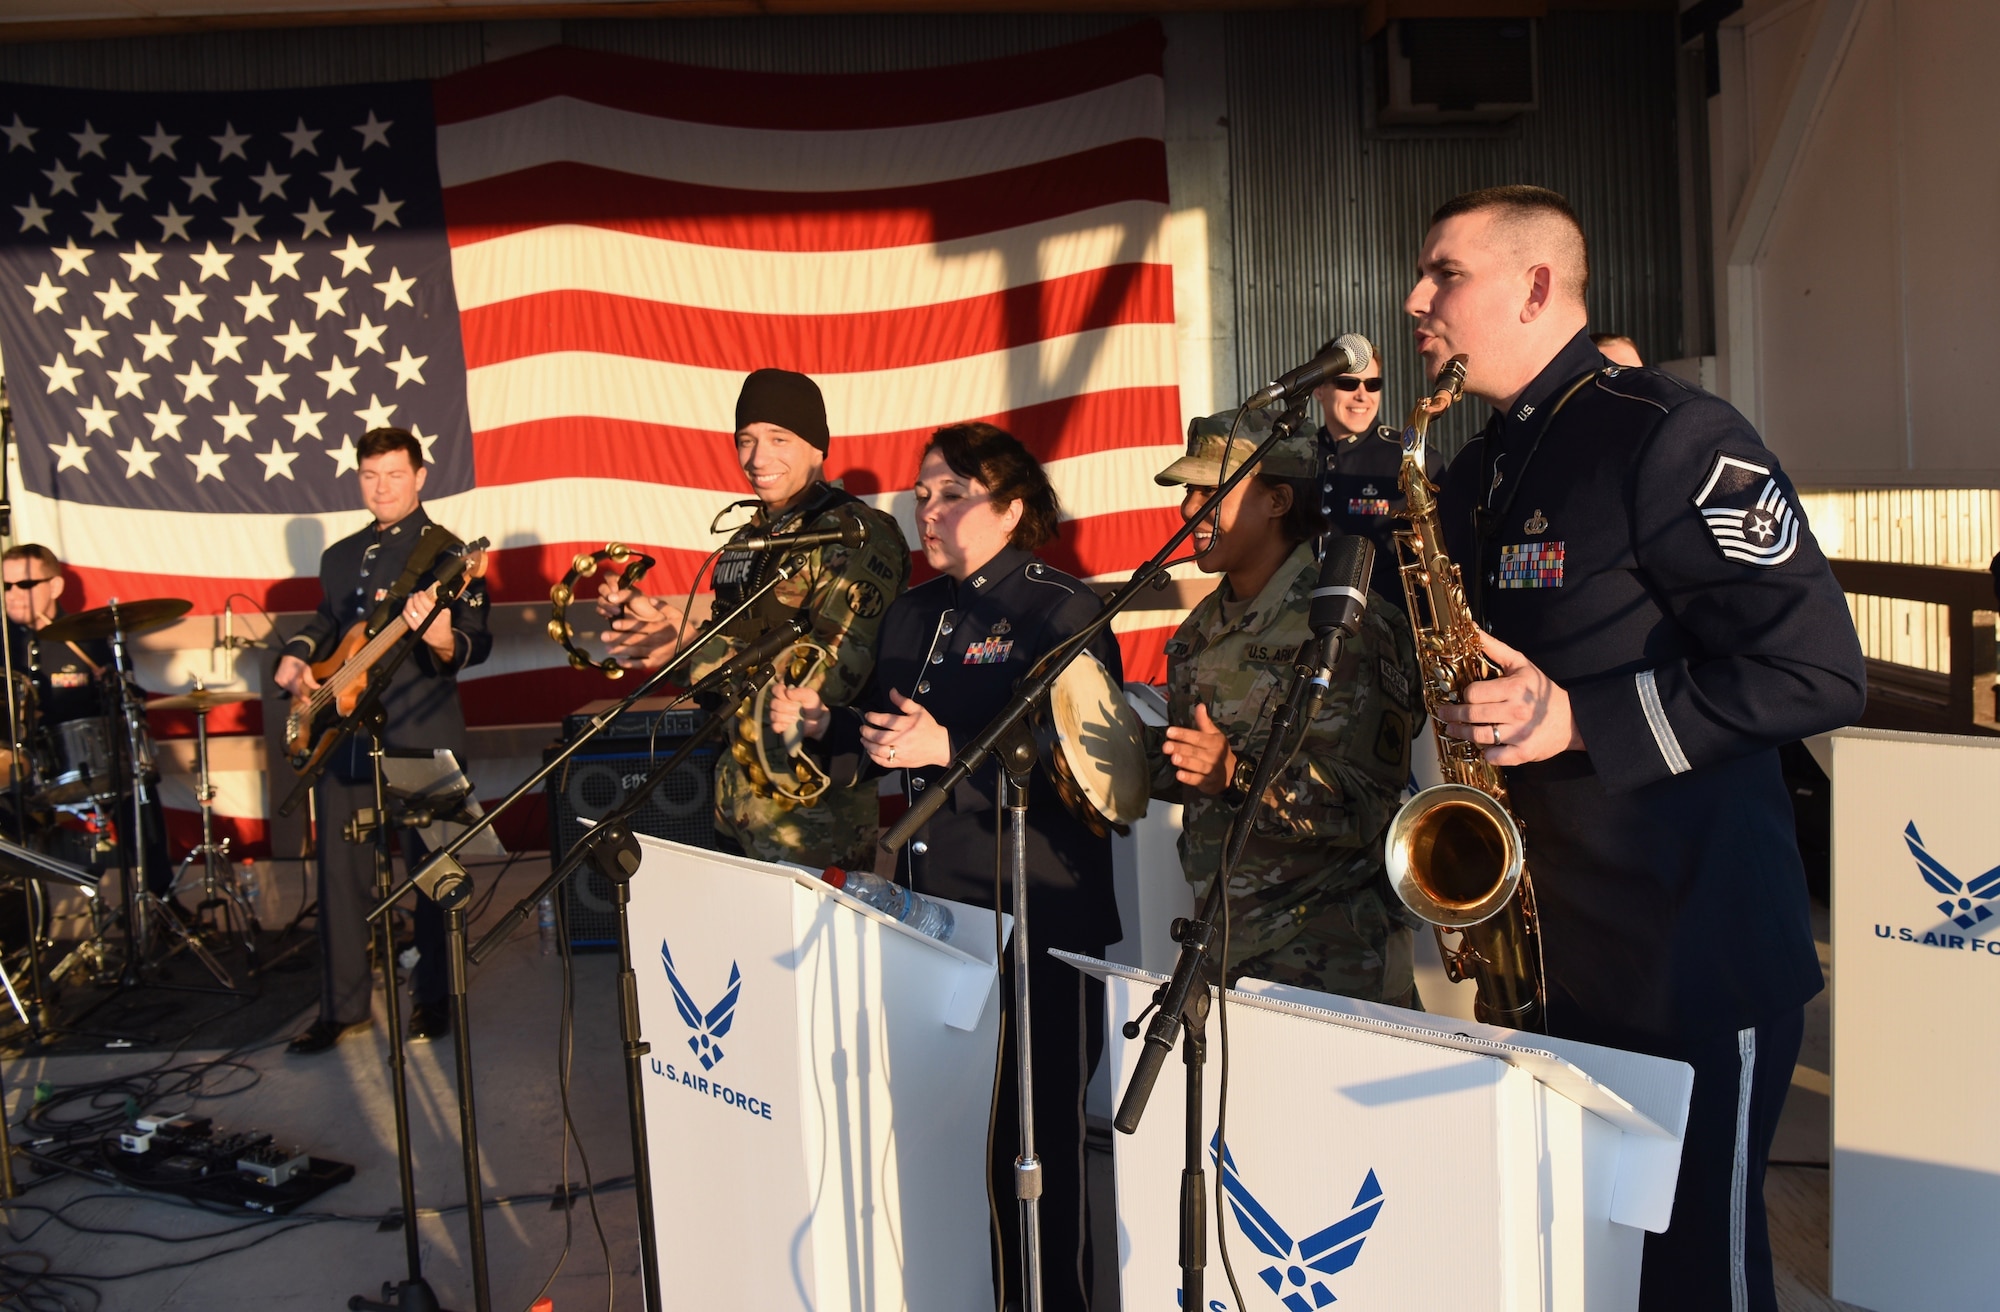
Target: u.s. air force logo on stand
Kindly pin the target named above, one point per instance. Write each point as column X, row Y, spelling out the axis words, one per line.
column 1299, row 1268
column 1964, row 905
column 1747, row 512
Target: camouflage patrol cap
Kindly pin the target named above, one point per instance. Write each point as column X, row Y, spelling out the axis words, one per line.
column 1295, row 457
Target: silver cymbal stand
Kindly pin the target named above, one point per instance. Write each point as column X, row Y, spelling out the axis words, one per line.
column 219, row 894
column 142, row 905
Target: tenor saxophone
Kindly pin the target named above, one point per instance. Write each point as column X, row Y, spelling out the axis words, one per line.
column 1454, row 851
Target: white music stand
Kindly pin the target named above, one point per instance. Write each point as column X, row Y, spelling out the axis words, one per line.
column 817, row 1090
column 1383, row 1158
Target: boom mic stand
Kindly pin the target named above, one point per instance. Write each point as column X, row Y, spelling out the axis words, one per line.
column 1177, row 1003
column 448, row 884
column 1003, row 735
column 414, row 1294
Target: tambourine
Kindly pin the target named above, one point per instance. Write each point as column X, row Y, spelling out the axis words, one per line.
column 798, row 778
column 584, row 566
column 1094, row 746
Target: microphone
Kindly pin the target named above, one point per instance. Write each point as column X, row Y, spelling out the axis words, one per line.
column 1349, row 354
column 1340, row 597
column 851, row 533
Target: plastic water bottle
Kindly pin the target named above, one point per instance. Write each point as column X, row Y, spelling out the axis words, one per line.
column 545, row 921
column 913, row 909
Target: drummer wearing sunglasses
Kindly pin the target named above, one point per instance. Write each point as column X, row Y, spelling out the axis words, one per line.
column 1358, row 462
column 59, row 683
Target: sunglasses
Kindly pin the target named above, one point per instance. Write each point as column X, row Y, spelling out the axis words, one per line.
column 1348, row 382
column 28, row 583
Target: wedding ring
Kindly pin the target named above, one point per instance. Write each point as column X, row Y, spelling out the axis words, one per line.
column 892, row 753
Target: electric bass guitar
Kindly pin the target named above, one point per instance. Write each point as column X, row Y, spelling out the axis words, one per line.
column 346, row 674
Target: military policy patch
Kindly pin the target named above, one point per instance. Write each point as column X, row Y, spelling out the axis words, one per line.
column 864, row 599
column 1748, row 513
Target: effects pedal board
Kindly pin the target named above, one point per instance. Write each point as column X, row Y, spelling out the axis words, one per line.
column 188, row 1157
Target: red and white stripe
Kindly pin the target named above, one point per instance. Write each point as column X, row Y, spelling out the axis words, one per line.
column 629, row 239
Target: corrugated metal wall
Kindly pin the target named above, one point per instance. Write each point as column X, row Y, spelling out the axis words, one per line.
column 1328, row 220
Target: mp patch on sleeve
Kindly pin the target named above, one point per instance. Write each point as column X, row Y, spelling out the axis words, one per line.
column 1747, row 513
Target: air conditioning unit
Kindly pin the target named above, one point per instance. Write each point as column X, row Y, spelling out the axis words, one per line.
column 1432, row 71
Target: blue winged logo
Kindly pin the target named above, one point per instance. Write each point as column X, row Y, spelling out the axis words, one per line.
column 1958, row 905
column 1298, row 1267
column 709, row 1026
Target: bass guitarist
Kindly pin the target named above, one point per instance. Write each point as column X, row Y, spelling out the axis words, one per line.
column 368, row 579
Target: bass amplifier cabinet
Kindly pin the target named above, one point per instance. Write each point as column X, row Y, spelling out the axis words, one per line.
column 602, row 776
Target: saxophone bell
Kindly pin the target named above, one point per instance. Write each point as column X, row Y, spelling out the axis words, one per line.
column 1454, row 856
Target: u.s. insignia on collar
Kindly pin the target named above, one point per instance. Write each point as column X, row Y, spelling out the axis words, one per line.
column 1747, row 512
column 1536, row 525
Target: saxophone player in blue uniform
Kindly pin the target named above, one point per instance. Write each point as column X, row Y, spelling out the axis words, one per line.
column 1663, row 621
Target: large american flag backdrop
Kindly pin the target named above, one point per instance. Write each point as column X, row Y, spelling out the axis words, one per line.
column 556, row 271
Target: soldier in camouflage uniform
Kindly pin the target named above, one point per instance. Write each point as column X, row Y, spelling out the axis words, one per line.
column 1309, row 903
column 781, row 441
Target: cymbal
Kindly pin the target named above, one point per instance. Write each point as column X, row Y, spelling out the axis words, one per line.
column 131, row 616
column 202, row 699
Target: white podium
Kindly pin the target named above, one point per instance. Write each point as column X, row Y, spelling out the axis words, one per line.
column 816, row 1094
column 1384, row 1158
column 1916, row 1018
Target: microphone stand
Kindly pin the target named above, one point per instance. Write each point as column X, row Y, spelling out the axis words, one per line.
column 1007, row 735
column 1178, row 1005
column 447, row 883
column 414, row 1294
column 613, row 851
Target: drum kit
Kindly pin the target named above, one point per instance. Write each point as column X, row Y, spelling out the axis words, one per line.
column 99, row 773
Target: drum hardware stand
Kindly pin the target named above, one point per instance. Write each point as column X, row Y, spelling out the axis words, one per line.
column 32, row 897
column 1033, row 691
column 449, row 885
column 142, row 905
column 31, row 893
column 220, row 901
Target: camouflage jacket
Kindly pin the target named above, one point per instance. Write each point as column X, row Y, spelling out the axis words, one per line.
column 1319, row 833
column 845, row 591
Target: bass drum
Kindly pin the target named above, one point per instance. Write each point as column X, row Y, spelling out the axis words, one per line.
column 1095, row 748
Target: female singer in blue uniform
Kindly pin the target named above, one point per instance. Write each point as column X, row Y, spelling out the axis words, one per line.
column 951, row 651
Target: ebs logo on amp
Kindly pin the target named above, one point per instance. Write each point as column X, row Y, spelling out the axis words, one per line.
column 1299, row 1269
column 708, row 1028
column 1965, row 905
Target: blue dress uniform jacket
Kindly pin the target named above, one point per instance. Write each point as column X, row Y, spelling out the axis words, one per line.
column 422, row 697
column 1640, row 545
column 65, row 676
column 1360, row 493
column 958, row 649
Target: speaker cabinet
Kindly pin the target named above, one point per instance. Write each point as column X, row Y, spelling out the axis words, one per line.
column 601, row 777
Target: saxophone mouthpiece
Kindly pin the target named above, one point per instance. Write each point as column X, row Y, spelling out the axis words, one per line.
column 1450, row 383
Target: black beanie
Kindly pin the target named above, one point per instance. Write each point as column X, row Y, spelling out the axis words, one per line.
column 789, row 400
